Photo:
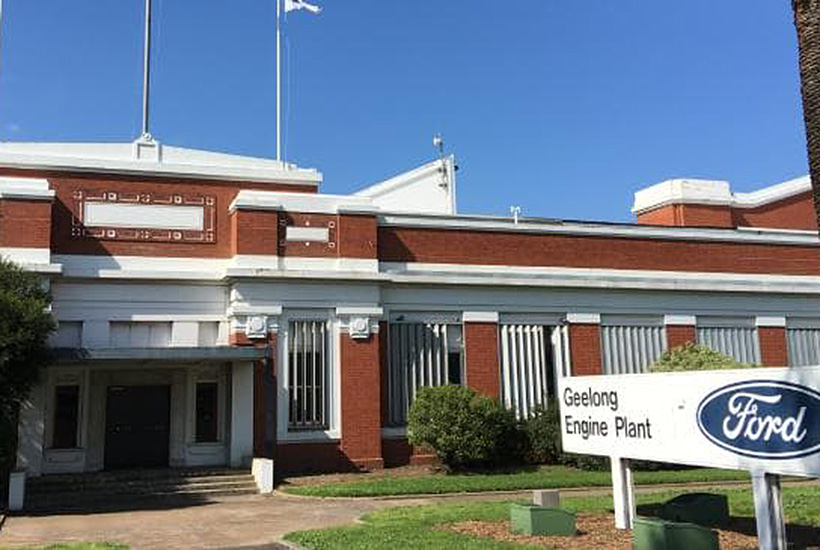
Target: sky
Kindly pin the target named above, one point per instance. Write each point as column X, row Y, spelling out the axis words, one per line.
column 562, row 107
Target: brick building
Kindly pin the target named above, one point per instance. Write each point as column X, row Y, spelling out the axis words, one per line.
column 214, row 309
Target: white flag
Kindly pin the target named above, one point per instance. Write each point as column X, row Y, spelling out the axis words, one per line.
column 291, row 5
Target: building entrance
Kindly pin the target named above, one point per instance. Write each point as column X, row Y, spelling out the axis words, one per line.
column 137, row 426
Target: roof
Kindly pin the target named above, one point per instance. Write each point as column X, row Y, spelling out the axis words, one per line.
column 152, row 158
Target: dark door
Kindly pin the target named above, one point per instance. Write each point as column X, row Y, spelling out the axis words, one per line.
column 137, row 426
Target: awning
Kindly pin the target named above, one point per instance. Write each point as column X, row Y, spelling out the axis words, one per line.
column 163, row 355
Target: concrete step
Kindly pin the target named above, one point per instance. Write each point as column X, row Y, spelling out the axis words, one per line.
column 135, row 488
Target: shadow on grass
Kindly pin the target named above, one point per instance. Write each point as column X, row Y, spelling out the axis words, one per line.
column 800, row 537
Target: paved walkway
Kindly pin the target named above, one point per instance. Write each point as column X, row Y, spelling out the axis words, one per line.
column 246, row 523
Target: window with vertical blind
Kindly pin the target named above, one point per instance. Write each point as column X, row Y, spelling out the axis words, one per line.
column 421, row 354
column 803, row 340
column 732, row 336
column 308, row 375
column 630, row 343
column 527, row 379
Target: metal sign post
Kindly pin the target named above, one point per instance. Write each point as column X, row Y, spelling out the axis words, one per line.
column 771, row 527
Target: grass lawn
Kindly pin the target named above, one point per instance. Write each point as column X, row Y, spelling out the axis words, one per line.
column 415, row 527
column 545, row 477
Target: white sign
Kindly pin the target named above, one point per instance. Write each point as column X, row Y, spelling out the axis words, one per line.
column 761, row 420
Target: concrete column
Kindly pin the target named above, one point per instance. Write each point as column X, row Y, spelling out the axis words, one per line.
column 585, row 343
column 680, row 330
column 481, row 352
column 241, row 450
column 771, row 334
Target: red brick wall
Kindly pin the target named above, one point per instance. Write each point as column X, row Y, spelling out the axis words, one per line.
column 259, row 409
column 680, row 335
column 358, row 236
column 398, row 452
column 299, row 458
column 404, row 244
column 796, row 212
column 481, row 358
column 361, row 402
column 773, row 348
column 585, row 349
column 25, row 223
column 255, row 232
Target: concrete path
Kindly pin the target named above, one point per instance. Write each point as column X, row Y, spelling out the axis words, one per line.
column 246, row 523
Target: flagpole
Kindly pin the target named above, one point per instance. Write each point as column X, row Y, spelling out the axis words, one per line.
column 278, row 80
column 146, row 72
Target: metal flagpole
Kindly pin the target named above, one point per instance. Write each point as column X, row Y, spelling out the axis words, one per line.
column 146, row 72
column 278, row 79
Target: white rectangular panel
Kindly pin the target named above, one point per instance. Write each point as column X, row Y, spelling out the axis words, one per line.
column 106, row 214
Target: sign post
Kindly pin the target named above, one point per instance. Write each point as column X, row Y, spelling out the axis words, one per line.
column 764, row 421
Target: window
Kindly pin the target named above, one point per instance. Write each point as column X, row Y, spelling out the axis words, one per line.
column 630, row 343
column 735, row 337
column 421, row 354
column 207, row 410
column 308, row 373
column 66, row 412
column 803, row 338
column 527, row 376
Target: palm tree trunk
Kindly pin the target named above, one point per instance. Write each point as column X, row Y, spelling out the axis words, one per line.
column 807, row 23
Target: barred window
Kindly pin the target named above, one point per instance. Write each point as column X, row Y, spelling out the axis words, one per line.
column 66, row 416
column 630, row 343
column 736, row 338
column 421, row 354
column 803, row 339
column 308, row 369
column 527, row 376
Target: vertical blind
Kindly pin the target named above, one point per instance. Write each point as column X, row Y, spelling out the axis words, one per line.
column 421, row 354
column 524, row 367
column 804, row 346
column 631, row 349
column 739, row 342
column 308, row 368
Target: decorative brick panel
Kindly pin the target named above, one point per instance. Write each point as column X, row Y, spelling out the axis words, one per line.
column 361, row 401
column 405, row 244
column 309, row 249
column 25, row 223
column 774, row 350
column 585, row 349
column 481, row 358
column 680, row 335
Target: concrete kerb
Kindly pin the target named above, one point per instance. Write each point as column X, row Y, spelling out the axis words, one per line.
column 527, row 493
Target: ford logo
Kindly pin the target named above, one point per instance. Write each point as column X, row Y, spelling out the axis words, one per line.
column 762, row 419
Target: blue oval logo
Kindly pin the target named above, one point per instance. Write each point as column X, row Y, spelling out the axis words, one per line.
column 762, row 419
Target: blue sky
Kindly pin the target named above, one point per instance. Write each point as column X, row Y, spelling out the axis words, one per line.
column 562, row 107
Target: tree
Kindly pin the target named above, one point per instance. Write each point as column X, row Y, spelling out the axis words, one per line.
column 807, row 23
column 25, row 325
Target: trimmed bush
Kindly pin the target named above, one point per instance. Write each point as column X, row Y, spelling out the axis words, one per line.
column 543, row 435
column 462, row 427
column 694, row 357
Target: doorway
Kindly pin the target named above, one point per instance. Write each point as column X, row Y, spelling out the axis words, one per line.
column 137, row 426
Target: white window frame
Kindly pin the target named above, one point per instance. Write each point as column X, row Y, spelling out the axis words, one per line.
column 334, row 431
column 204, row 375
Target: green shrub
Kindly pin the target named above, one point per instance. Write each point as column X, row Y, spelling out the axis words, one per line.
column 543, row 435
column 694, row 357
column 462, row 427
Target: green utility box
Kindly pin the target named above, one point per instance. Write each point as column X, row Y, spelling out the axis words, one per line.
column 541, row 520
column 699, row 508
column 659, row 534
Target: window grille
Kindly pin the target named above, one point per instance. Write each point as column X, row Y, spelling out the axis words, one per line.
column 526, row 378
column 631, row 348
column 308, row 368
column 804, row 346
column 738, row 342
column 421, row 354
